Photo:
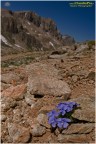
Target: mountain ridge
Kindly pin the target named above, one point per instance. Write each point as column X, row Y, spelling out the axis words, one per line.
column 30, row 31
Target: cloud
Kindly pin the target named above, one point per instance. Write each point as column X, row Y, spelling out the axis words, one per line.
column 7, row 4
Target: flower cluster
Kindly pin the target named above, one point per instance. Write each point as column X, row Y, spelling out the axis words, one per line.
column 61, row 117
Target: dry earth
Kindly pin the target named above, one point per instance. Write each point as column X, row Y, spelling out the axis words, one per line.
column 31, row 89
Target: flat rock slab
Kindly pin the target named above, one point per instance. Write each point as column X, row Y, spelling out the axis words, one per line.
column 87, row 109
column 74, row 138
column 43, row 80
column 79, row 128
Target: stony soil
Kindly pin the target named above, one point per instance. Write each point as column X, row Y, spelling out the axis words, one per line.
column 30, row 90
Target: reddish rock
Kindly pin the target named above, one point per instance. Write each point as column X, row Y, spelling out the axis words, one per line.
column 15, row 92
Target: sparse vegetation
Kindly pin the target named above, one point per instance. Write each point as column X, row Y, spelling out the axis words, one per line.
column 91, row 43
column 18, row 62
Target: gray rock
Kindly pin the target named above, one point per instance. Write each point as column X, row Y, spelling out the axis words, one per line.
column 79, row 128
column 42, row 80
column 48, row 86
column 38, row 130
column 43, row 120
column 18, row 133
column 87, row 109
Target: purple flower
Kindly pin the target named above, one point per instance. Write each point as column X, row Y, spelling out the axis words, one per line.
column 62, row 111
column 72, row 104
column 59, row 122
column 52, row 121
column 53, row 113
column 63, row 122
column 66, row 107
column 66, row 119
column 60, row 106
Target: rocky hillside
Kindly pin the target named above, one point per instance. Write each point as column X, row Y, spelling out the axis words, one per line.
column 33, row 84
column 27, row 31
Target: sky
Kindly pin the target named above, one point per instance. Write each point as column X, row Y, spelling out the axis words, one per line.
column 79, row 22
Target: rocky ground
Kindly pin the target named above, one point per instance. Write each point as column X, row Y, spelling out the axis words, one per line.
column 33, row 88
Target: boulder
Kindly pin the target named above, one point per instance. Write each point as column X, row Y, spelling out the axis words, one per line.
column 48, row 86
column 43, row 80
